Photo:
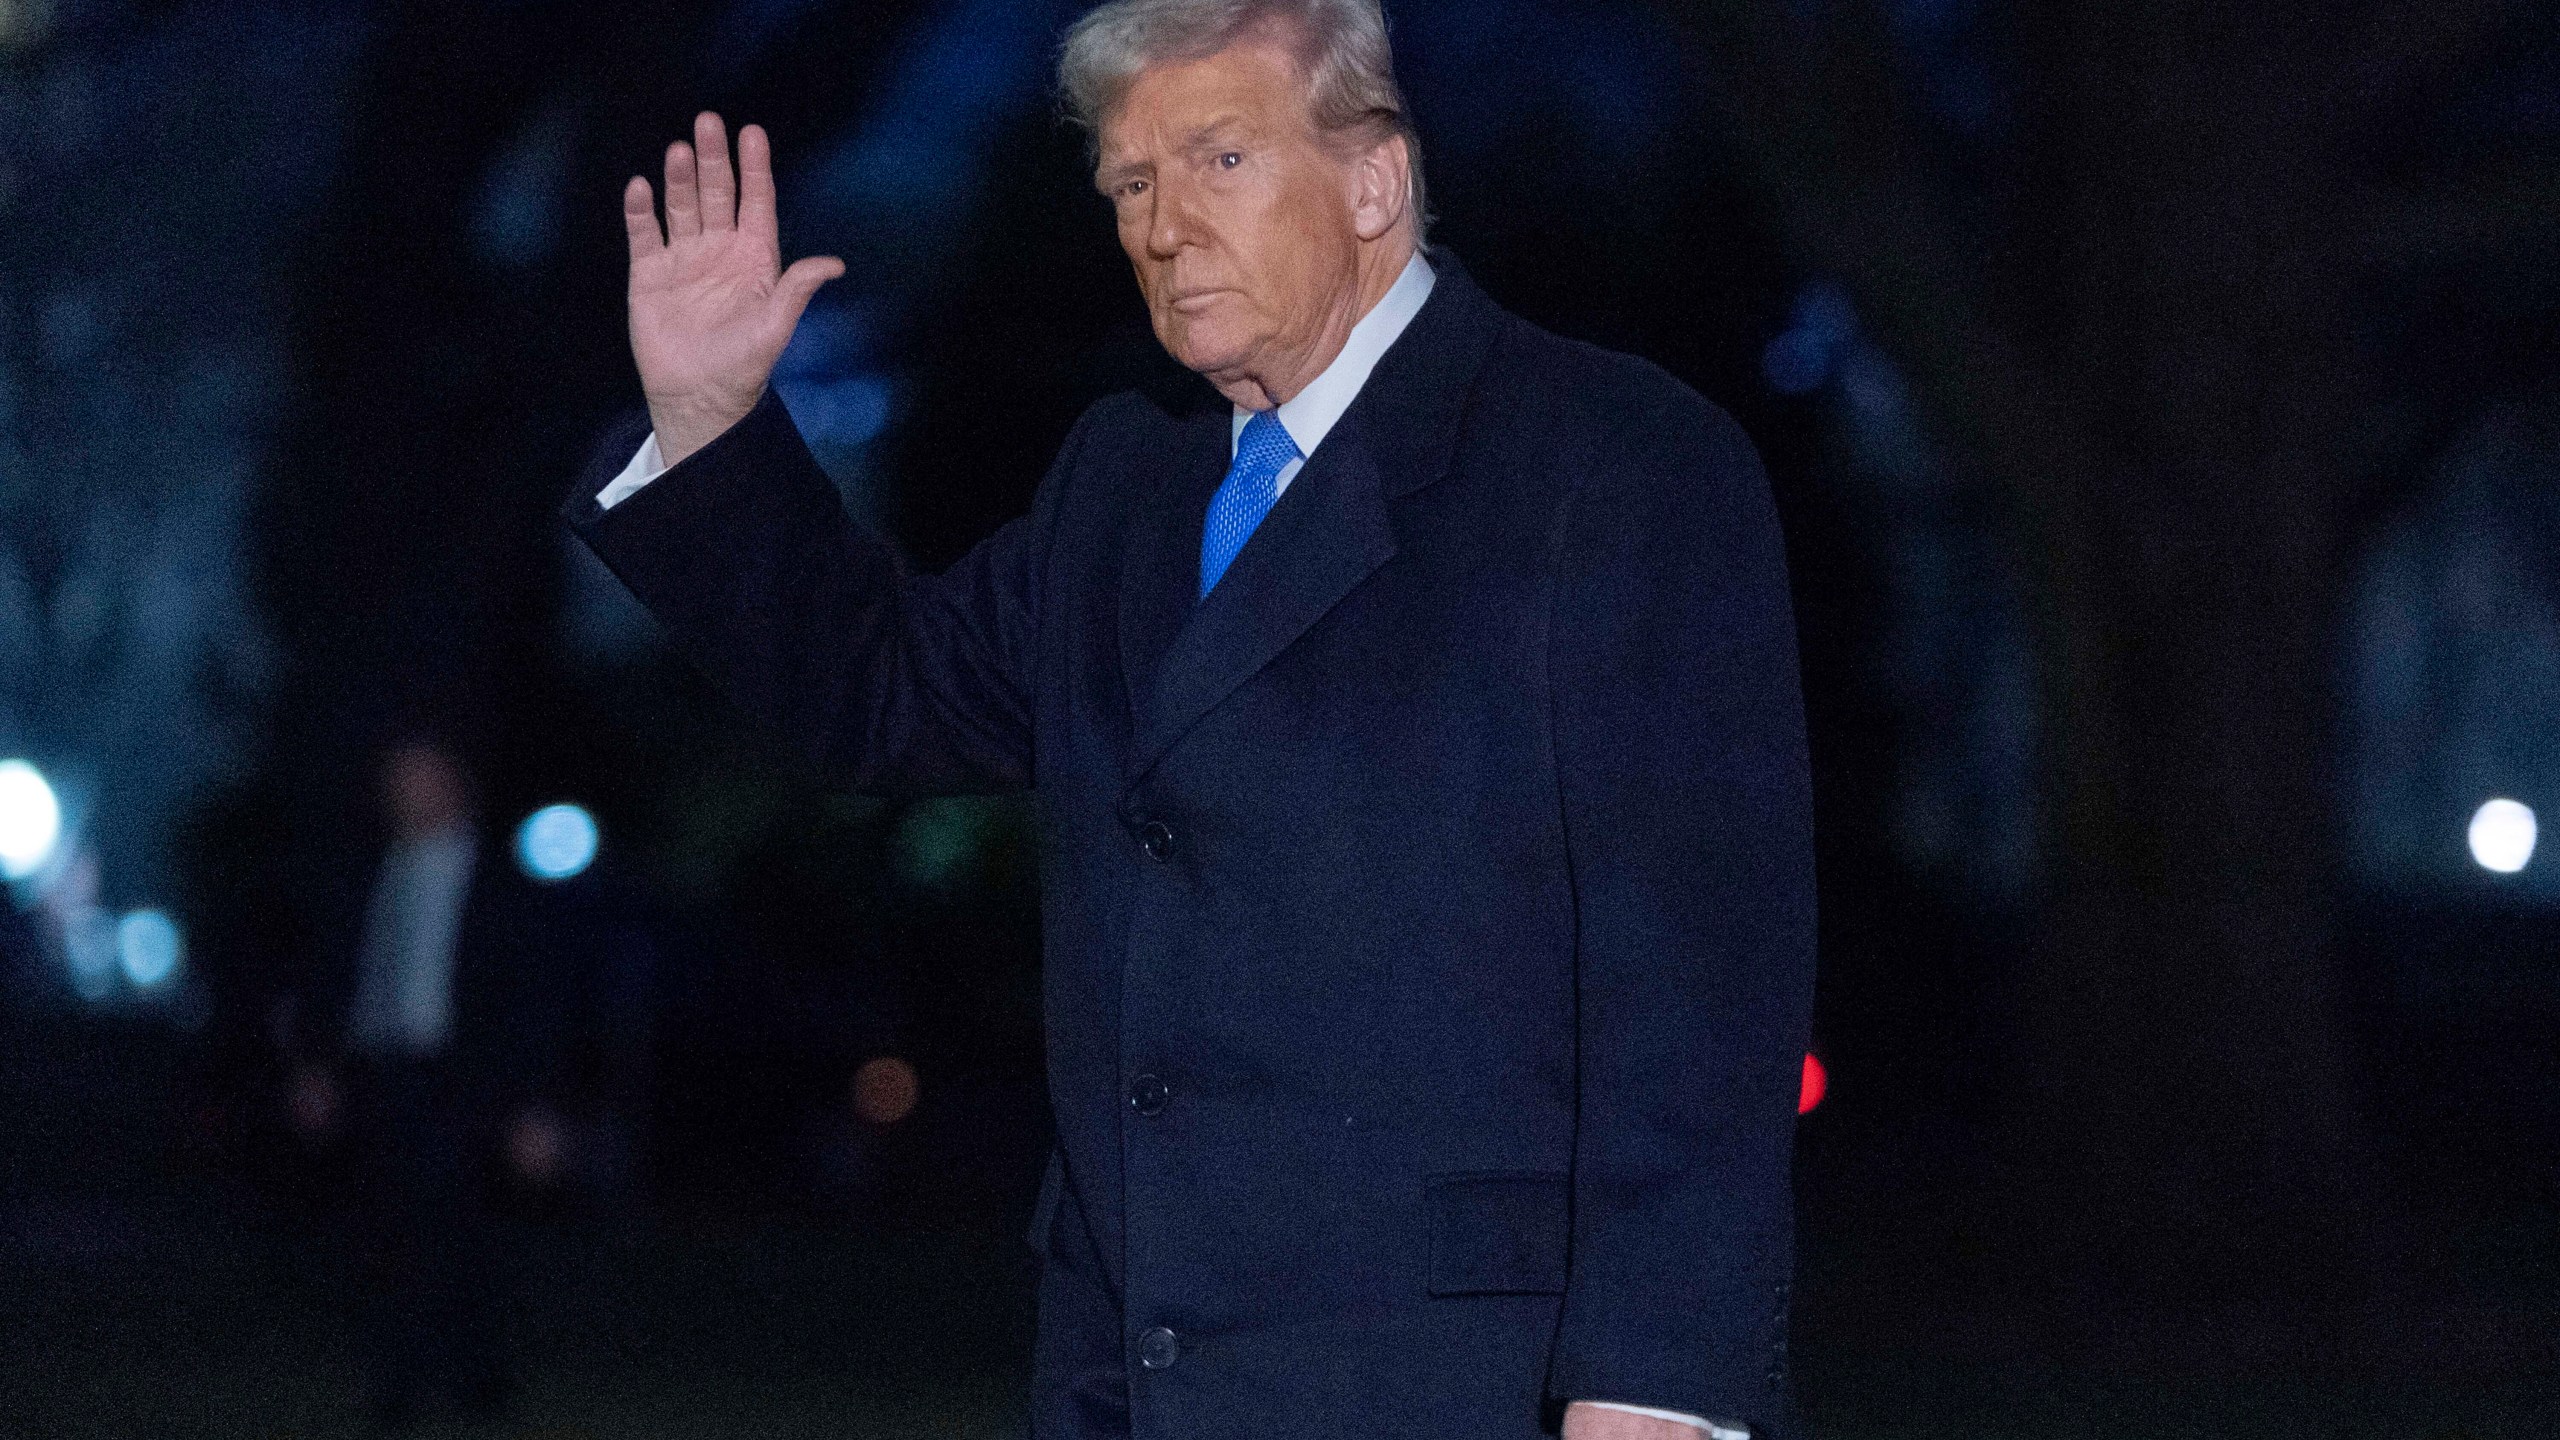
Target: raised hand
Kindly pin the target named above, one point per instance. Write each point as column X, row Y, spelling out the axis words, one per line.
column 711, row 305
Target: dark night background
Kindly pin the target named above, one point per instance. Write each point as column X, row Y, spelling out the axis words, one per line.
column 2163, row 401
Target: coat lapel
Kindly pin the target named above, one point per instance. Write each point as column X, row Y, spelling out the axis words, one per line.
column 1160, row 559
column 1329, row 531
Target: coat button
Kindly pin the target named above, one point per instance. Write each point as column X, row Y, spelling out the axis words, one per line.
column 1156, row 838
column 1147, row 1095
column 1157, row 1349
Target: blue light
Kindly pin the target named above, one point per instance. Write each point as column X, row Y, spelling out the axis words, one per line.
column 516, row 222
column 1824, row 311
column 148, row 947
column 1803, row 358
column 30, row 820
column 89, row 953
column 556, row 842
column 1797, row 362
column 848, row 411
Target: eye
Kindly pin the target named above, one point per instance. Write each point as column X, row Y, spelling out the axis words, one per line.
column 1133, row 189
column 1230, row 160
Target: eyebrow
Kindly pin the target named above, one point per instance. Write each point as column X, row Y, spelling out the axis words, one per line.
column 1211, row 133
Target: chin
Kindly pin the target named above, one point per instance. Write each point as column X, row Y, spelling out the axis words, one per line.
column 1207, row 348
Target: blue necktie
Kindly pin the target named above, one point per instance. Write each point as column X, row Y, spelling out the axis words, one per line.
column 1245, row 496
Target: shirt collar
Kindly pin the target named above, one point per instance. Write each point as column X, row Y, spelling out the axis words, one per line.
column 1310, row 414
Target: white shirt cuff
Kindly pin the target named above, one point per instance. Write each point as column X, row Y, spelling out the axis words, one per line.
column 1714, row 1430
column 645, row 466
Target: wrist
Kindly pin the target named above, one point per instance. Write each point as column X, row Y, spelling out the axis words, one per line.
column 683, row 427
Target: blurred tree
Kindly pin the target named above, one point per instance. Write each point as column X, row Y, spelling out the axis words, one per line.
column 2456, row 669
column 2144, row 310
column 460, row 343
column 139, row 385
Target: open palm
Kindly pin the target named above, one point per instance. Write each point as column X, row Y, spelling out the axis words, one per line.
column 711, row 305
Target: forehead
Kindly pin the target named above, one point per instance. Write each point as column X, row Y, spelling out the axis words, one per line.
column 1253, row 83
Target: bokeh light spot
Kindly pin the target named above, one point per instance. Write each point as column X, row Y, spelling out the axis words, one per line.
column 557, row 842
column 30, row 820
column 2503, row 834
column 1816, row 1082
column 149, row 948
column 1797, row 362
column 885, row 1090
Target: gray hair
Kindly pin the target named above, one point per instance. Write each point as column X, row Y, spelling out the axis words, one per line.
column 1342, row 49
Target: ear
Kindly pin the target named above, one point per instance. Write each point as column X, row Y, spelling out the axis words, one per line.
column 1381, row 188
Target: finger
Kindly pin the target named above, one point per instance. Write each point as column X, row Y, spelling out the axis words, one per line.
column 755, row 186
column 640, row 219
column 802, row 281
column 719, row 183
column 684, row 214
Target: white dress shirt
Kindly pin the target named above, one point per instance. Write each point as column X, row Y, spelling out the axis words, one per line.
column 1308, row 416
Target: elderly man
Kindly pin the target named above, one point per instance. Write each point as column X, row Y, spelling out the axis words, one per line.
column 1414, row 718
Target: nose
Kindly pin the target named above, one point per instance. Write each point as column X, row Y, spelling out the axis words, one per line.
column 1174, row 224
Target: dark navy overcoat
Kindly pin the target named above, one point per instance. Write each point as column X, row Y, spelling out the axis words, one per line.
column 1428, row 912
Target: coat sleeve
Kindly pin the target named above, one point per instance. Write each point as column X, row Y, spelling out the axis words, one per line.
column 893, row 683
column 1687, row 811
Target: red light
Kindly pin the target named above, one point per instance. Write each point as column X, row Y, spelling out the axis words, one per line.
column 885, row 1090
column 1816, row 1081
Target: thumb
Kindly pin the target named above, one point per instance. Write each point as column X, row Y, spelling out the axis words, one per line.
column 802, row 280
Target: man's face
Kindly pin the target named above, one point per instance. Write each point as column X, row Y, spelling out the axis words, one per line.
column 1237, row 218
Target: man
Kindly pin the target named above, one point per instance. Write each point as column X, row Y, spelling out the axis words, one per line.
column 444, row 1053
column 1427, row 882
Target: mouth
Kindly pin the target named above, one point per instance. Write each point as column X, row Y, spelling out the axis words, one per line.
column 1192, row 302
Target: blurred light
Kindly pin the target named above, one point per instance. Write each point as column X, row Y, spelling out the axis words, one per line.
column 1804, row 357
column 885, row 1090
column 556, row 842
column 938, row 843
column 23, row 23
column 1871, row 383
column 1816, row 1082
column 1825, row 312
column 833, row 338
column 2503, row 833
column 847, row 411
column 516, row 220
column 89, row 953
column 30, row 820
column 1797, row 362
column 148, row 947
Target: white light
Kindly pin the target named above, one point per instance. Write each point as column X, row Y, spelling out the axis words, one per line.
column 2503, row 833
column 148, row 947
column 30, row 820
column 556, row 842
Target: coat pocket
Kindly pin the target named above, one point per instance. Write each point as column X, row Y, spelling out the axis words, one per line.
column 1498, row 1232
